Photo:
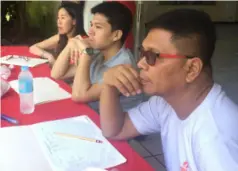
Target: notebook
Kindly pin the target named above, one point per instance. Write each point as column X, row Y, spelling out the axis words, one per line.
column 37, row 147
column 45, row 90
column 19, row 60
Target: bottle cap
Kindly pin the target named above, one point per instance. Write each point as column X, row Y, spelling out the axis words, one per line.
column 24, row 68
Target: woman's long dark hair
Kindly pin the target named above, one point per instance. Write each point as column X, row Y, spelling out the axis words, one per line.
column 75, row 10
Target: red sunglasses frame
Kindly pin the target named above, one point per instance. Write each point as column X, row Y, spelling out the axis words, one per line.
column 151, row 56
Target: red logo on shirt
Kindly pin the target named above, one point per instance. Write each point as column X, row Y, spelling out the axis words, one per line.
column 184, row 167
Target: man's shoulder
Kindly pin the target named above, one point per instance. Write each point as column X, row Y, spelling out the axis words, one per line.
column 155, row 105
column 220, row 105
column 219, row 118
column 156, row 100
column 225, row 115
column 124, row 56
column 149, row 116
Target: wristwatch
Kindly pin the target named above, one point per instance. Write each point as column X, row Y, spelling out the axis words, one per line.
column 88, row 51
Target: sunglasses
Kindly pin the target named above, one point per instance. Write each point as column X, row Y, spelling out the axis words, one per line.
column 9, row 57
column 150, row 56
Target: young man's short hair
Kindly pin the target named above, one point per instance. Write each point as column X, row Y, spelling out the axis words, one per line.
column 118, row 15
column 193, row 32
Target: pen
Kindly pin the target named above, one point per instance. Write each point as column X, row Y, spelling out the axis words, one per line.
column 78, row 137
column 9, row 119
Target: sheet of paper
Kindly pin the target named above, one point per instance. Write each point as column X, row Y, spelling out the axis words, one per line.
column 72, row 154
column 16, row 60
column 45, row 90
column 20, row 151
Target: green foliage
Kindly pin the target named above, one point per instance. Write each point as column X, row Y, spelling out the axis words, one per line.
column 8, row 11
column 42, row 15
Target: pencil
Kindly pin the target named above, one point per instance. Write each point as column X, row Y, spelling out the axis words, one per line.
column 78, row 137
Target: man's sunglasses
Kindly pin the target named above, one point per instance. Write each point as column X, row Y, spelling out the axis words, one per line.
column 150, row 56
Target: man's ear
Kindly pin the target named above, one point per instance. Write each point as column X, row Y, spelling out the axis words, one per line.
column 117, row 35
column 193, row 68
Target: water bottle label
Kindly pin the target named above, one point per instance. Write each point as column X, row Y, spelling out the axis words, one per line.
column 26, row 86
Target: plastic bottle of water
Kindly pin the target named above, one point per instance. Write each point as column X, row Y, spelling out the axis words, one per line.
column 25, row 80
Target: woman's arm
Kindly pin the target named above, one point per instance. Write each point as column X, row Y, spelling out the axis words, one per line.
column 41, row 47
column 62, row 68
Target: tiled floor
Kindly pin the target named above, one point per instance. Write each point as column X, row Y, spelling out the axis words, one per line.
column 150, row 148
column 151, row 142
column 225, row 68
column 155, row 164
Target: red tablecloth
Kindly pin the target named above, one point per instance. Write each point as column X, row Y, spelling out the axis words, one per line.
column 60, row 109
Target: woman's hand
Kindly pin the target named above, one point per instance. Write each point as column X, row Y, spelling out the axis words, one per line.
column 49, row 56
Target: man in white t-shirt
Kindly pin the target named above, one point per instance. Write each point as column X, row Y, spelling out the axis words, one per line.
column 197, row 121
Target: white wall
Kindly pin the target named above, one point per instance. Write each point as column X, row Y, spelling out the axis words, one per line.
column 87, row 12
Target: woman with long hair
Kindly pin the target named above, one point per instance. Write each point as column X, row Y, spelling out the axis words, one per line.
column 69, row 24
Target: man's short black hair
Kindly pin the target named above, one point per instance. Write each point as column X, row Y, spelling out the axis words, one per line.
column 193, row 32
column 118, row 15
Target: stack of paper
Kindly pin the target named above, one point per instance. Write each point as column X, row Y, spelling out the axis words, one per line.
column 44, row 90
column 20, row 60
column 37, row 147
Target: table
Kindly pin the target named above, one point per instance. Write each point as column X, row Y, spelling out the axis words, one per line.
column 59, row 110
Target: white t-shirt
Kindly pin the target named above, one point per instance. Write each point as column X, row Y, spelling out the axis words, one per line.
column 206, row 141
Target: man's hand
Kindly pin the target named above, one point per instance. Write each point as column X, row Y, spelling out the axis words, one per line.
column 76, row 46
column 124, row 78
